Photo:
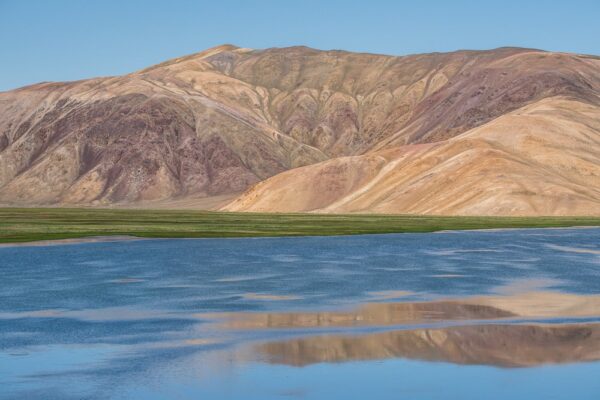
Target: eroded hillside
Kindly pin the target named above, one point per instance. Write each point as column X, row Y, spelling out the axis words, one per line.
column 425, row 133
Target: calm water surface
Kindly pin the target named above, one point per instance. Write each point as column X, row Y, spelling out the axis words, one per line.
column 470, row 315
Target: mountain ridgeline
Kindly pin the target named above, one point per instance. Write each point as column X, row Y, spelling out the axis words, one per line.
column 508, row 131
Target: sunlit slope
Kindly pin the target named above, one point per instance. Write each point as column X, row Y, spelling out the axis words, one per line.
column 212, row 124
column 542, row 159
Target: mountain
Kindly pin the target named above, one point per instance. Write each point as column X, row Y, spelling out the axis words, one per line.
column 542, row 159
column 507, row 132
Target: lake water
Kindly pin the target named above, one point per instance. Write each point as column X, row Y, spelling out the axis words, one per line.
column 511, row 314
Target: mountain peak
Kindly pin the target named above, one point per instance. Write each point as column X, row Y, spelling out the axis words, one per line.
column 220, row 48
column 211, row 51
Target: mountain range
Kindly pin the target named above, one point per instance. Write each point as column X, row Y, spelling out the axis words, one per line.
column 509, row 131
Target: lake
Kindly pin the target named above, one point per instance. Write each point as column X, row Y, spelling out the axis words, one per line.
column 504, row 314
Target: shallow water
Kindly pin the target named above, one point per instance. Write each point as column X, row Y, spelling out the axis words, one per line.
column 481, row 314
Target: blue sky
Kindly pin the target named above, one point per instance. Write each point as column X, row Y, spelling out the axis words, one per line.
column 68, row 39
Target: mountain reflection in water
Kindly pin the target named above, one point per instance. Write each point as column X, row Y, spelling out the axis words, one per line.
column 510, row 331
column 499, row 345
column 520, row 306
column 428, row 316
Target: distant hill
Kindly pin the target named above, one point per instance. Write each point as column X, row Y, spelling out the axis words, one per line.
column 502, row 132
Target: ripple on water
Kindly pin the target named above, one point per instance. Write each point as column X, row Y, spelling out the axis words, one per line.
column 248, row 310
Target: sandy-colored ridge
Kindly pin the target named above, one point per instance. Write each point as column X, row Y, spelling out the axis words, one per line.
column 542, row 159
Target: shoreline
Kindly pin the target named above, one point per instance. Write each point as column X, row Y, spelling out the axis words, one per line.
column 64, row 226
column 128, row 238
column 79, row 240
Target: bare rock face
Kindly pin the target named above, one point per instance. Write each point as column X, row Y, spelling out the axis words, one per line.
column 218, row 122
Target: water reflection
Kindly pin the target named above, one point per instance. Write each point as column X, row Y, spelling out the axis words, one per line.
column 499, row 345
column 320, row 318
column 515, row 306
column 512, row 330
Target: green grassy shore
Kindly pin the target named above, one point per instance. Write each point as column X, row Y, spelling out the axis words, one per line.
column 31, row 224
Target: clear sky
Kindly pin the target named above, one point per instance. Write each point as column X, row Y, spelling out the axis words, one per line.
column 68, row 39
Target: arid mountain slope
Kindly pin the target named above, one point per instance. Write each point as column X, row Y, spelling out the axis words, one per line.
column 129, row 139
column 543, row 159
column 214, row 123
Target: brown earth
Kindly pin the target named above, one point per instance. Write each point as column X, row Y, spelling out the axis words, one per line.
column 542, row 159
column 505, row 131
